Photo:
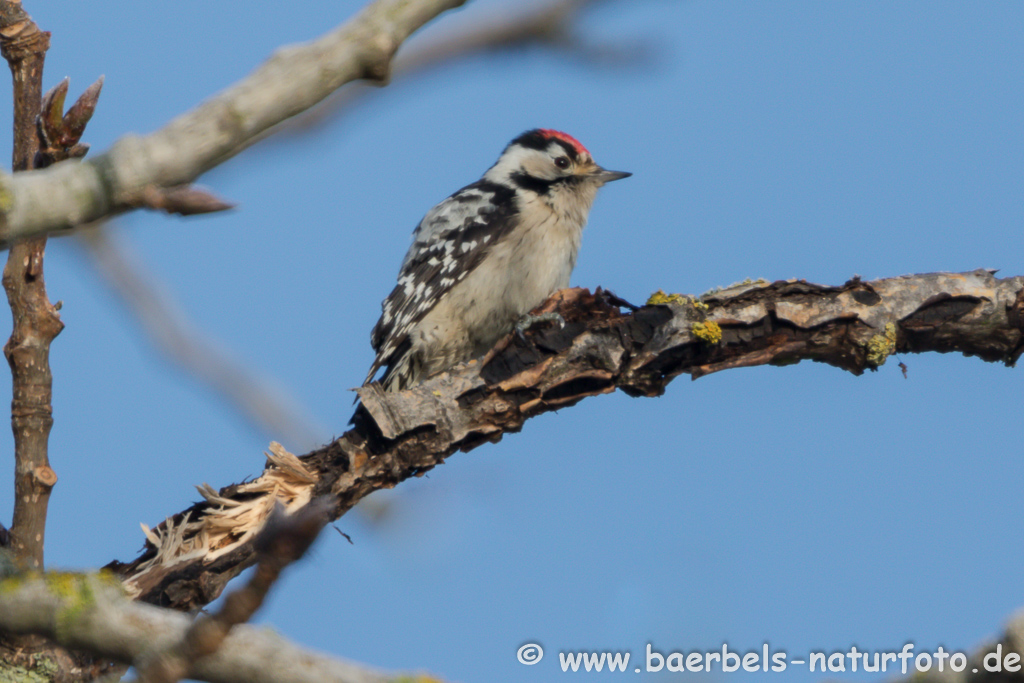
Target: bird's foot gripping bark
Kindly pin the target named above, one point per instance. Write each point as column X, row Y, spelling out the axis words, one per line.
column 528, row 321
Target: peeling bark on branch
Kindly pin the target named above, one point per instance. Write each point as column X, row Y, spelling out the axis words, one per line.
column 601, row 348
column 293, row 79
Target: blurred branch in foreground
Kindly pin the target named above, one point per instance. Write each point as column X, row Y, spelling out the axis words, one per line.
column 292, row 80
column 285, row 538
column 552, row 25
column 191, row 349
column 90, row 613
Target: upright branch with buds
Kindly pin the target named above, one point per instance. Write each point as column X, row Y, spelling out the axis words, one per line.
column 36, row 321
column 44, row 135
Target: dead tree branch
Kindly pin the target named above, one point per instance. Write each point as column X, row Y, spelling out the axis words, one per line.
column 855, row 326
column 294, row 79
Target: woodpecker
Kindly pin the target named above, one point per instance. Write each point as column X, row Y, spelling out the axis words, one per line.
column 486, row 256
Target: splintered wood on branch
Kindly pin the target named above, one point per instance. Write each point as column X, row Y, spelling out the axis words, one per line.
column 283, row 540
column 601, row 348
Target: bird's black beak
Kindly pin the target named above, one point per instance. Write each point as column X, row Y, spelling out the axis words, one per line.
column 607, row 176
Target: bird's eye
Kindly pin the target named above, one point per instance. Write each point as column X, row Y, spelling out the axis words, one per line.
column 562, row 162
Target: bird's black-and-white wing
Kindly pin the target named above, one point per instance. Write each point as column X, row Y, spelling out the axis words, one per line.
column 448, row 244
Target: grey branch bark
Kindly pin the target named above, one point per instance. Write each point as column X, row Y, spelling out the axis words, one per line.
column 855, row 326
column 91, row 613
column 291, row 81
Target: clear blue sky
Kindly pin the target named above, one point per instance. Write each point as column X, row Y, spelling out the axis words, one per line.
column 800, row 506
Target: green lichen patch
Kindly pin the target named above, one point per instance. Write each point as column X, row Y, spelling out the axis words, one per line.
column 62, row 584
column 12, row 583
column 881, row 346
column 6, row 198
column 76, row 593
column 43, row 670
column 106, row 577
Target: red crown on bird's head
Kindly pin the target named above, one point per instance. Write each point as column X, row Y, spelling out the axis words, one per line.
column 565, row 137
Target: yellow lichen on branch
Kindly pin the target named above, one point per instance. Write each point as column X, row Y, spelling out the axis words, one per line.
column 881, row 346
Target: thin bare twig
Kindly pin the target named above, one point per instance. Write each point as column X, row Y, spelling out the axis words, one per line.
column 184, row 200
column 178, row 339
